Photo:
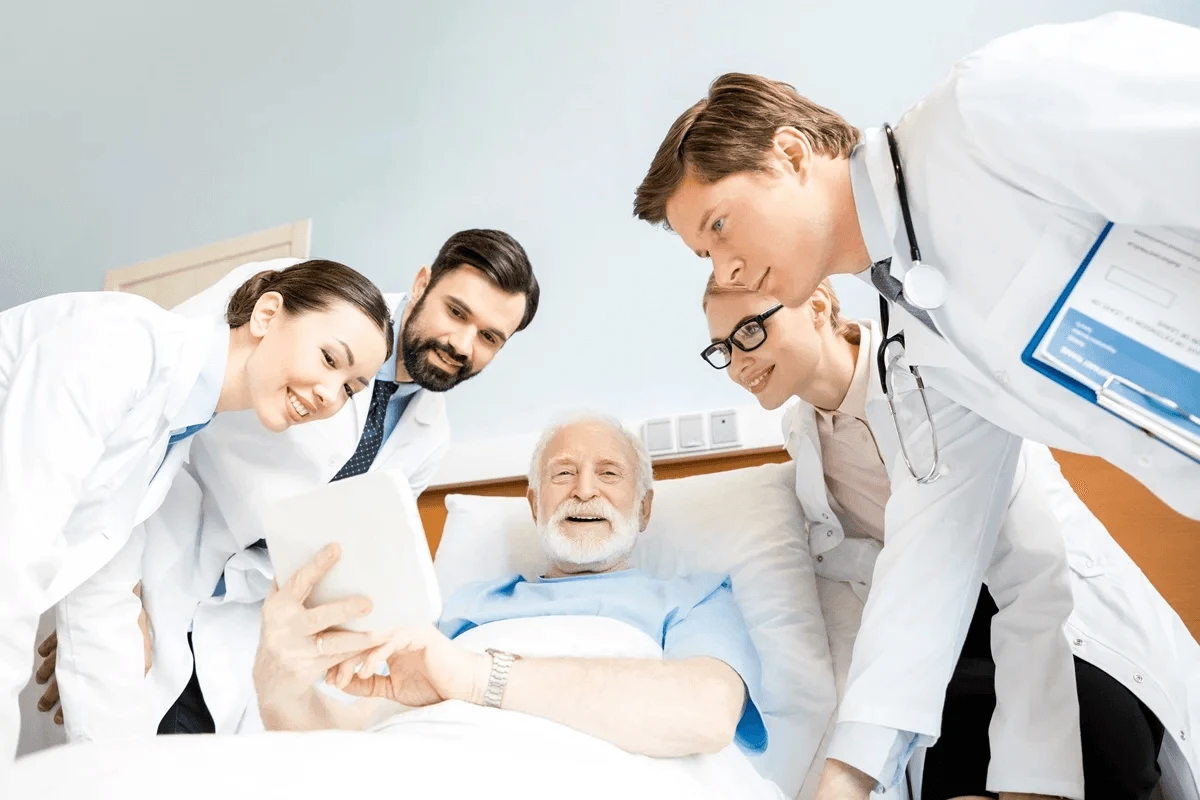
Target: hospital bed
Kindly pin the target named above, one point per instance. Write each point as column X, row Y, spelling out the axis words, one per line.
column 485, row 530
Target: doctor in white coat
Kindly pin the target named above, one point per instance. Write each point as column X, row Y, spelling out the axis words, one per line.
column 1054, row 565
column 463, row 308
column 100, row 394
column 1013, row 165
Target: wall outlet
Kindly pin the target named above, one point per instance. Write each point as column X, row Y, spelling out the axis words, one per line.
column 659, row 436
column 691, row 432
column 723, row 429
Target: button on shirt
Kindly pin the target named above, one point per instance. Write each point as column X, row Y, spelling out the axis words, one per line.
column 689, row 617
column 857, row 484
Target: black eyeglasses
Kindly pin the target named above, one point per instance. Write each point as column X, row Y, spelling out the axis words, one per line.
column 748, row 336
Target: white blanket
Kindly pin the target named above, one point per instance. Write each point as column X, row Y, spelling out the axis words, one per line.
column 332, row 764
column 466, row 728
column 448, row 750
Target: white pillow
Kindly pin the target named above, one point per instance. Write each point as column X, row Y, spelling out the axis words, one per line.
column 746, row 523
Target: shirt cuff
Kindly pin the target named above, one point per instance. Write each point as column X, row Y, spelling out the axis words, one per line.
column 880, row 752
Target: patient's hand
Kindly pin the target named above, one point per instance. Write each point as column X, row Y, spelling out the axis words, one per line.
column 424, row 667
column 840, row 781
column 48, row 650
column 298, row 644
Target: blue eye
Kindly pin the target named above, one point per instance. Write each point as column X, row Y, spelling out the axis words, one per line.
column 719, row 225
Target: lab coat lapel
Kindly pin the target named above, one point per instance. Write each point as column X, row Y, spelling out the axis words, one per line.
column 879, row 415
column 362, row 406
column 362, row 400
column 922, row 346
column 163, row 477
column 805, row 449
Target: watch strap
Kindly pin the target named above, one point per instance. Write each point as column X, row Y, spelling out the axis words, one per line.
column 502, row 662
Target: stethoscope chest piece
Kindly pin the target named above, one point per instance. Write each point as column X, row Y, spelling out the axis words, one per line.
column 924, row 286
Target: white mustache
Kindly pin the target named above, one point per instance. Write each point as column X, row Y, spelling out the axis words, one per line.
column 592, row 508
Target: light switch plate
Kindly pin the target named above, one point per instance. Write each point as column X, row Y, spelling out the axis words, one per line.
column 723, row 429
column 691, row 432
column 659, row 436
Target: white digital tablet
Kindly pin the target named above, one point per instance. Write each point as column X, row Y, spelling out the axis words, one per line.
column 384, row 554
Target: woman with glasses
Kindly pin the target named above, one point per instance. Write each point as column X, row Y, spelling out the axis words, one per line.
column 1085, row 707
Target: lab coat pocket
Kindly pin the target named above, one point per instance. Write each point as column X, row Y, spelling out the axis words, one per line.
column 1041, row 279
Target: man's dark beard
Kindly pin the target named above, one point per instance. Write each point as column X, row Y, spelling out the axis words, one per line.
column 416, row 351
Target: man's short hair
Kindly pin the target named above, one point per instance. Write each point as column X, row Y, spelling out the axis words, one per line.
column 498, row 256
column 730, row 131
column 645, row 472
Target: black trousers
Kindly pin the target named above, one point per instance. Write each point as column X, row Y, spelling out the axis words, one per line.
column 1121, row 737
column 189, row 714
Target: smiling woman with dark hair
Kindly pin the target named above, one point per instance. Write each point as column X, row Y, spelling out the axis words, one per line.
column 456, row 319
column 100, row 394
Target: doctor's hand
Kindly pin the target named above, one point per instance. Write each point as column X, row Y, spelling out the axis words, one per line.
column 48, row 650
column 299, row 644
column 424, row 667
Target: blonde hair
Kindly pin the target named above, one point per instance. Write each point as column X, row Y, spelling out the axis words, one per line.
column 847, row 330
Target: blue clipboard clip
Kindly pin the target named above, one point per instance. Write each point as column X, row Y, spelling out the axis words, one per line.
column 1146, row 410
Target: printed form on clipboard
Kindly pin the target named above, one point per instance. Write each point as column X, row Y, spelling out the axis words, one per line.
column 1125, row 334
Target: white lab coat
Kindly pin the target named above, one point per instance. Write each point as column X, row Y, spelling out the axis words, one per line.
column 1027, row 575
column 91, row 386
column 1013, row 165
column 211, row 516
column 1054, row 565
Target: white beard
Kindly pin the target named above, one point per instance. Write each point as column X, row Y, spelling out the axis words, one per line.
column 589, row 553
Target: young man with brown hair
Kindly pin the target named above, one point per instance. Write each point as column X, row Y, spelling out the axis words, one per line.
column 1012, row 166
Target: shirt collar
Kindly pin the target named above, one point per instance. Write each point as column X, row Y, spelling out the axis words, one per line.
column 201, row 403
column 585, row 576
column 854, row 404
column 855, row 401
column 388, row 371
column 866, row 204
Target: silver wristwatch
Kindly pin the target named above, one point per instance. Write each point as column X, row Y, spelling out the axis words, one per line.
column 498, row 677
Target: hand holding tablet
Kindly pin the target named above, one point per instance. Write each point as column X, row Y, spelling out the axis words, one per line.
column 384, row 554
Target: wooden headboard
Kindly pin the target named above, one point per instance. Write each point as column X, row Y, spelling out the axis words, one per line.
column 1164, row 544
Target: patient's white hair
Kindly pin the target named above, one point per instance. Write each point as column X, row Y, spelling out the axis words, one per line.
column 645, row 473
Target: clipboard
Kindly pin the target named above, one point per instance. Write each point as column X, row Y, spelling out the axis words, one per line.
column 1121, row 337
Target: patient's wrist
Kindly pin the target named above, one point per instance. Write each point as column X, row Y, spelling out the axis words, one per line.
column 481, row 670
column 847, row 778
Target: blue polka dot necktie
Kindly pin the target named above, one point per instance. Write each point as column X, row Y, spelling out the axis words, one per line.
column 372, row 435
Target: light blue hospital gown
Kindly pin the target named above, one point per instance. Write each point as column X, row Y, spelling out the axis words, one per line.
column 688, row 616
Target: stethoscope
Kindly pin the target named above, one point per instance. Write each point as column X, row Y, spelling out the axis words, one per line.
column 924, row 287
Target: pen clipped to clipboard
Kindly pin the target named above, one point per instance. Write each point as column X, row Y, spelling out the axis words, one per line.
column 1125, row 333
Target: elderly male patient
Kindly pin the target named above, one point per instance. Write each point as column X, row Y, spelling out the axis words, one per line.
column 590, row 493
